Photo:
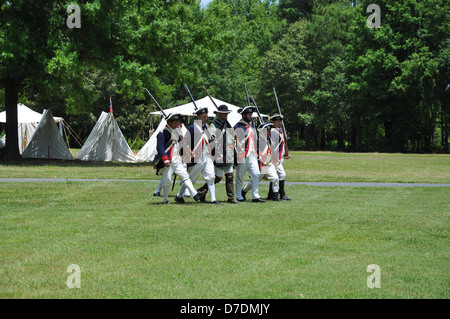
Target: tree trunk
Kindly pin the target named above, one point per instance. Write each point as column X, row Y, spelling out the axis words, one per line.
column 12, row 137
column 322, row 139
column 308, row 137
column 340, row 138
column 388, row 136
column 446, row 137
column 442, row 131
column 356, row 134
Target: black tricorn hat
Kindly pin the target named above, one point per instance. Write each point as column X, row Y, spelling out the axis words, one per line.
column 201, row 111
column 276, row 116
column 222, row 109
column 174, row 117
column 247, row 109
column 267, row 126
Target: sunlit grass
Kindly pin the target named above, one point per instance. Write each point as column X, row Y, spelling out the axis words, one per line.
column 129, row 245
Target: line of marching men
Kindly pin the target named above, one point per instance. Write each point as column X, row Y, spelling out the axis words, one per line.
column 215, row 150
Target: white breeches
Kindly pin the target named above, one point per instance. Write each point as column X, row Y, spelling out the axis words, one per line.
column 250, row 165
column 269, row 173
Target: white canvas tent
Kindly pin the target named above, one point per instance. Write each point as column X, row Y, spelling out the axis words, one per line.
column 47, row 141
column 148, row 151
column 106, row 142
column 28, row 121
column 188, row 109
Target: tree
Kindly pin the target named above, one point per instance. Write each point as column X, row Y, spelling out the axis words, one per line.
column 128, row 44
column 394, row 69
column 242, row 32
column 38, row 47
column 287, row 68
column 293, row 10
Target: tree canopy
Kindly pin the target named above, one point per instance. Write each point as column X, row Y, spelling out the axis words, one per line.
column 342, row 85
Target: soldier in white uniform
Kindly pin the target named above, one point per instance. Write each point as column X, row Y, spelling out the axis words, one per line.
column 247, row 157
column 267, row 169
column 202, row 163
column 223, row 151
column 170, row 158
column 278, row 136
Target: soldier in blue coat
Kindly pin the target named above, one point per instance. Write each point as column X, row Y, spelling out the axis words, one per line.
column 169, row 151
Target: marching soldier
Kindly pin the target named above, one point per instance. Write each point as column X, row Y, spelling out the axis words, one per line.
column 279, row 136
column 247, row 155
column 267, row 169
column 157, row 192
column 202, row 161
column 223, row 151
column 170, row 158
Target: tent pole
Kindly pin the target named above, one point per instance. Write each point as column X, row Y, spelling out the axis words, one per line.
column 150, row 121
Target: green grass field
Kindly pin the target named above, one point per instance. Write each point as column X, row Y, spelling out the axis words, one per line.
column 303, row 167
column 129, row 245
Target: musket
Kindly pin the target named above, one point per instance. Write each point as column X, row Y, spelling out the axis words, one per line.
column 196, row 109
column 165, row 116
column 211, row 98
column 282, row 122
column 257, row 110
column 174, row 179
column 157, row 104
column 246, row 94
column 192, row 98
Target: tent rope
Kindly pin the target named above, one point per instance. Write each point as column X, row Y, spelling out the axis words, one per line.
column 145, row 122
column 74, row 134
column 67, row 137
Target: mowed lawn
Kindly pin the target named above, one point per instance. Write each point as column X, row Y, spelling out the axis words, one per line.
column 303, row 167
column 129, row 245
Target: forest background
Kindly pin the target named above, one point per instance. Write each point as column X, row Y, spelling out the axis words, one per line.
column 342, row 85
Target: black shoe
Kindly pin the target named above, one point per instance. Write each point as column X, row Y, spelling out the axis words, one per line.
column 179, row 200
column 275, row 197
column 240, row 200
column 285, row 198
column 243, row 195
column 156, row 194
column 198, row 196
column 166, row 202
column 216, row 203
column 258, row 200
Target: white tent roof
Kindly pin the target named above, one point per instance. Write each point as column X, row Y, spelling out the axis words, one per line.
column 47, row 141
column 26, row 115
column 188, row 109
column 106, row 142
column 148, row 151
